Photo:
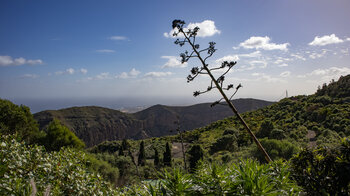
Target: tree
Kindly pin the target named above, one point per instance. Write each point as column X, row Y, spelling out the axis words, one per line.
column 18, row 120
column 225, row 142
column 167, row 155
column 125, row 144
column 182, row 142
column 196, row 154
column 156, row 158
column 189, row 37
column 266, row 128
column 121, row 151
column 142, row 156
column 58, row 135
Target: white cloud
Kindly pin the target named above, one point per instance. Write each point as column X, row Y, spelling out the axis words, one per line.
column 283, row 65
column 35, row 62
column 227, row 58
column 266, row 78
column 157, row 74
column 278, row 61
column 315, row 55
column 345, row 51
column 297, row 56
column 251, row 55
column 207, row 28
column 83, row 71
column 105, row 51
column 285, row 74
column 173, row 62
column 237, row 57
column 9, row 61
column 118, row 38
column 103, row 76
column 326, row 75
column 263, row 64
column 70, row 71
column 281, row 61
column 348, row 39
column 132, row 74
column 59, row 72
column 262, row 43
column 325, row 40
column 29, row 76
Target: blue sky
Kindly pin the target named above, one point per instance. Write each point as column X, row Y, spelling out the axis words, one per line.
column 122, row 49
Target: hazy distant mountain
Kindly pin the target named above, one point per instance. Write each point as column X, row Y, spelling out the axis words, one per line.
column 96, row 124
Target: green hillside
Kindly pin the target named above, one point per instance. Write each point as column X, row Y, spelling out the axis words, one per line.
column 284, row 127
column 326, row 113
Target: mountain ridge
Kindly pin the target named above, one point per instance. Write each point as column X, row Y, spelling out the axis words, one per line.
column 94, row 124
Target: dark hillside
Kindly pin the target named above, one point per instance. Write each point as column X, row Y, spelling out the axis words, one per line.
column 190, row 117
column 96, row 124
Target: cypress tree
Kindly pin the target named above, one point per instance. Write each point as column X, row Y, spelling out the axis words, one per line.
column 156, row 158
column 125, row 144
column 142, row 156
column 121, row 151
column 167, row 155
column 196, row 154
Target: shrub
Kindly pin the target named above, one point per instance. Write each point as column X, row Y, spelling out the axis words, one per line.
column 226, row 142
column 277, row 134
column 277, row 149
column 324, row 170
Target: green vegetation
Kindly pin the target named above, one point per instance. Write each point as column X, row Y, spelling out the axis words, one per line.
column 244, row 178
column 324, row 171
column 167, row 155
column 196, row 155
column 215, row 153
column 277, row 149
column 26, row 169
column 58, row 136
column 142, row 157
column 18, row 120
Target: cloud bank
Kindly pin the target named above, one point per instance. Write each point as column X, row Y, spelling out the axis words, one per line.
column 9, row 61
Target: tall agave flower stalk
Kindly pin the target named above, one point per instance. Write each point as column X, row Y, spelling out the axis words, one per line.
column 189, row 36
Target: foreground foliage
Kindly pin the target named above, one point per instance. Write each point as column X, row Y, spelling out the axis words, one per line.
column 244, row 178
column 29, row 168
